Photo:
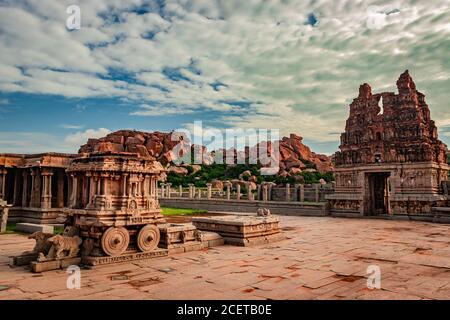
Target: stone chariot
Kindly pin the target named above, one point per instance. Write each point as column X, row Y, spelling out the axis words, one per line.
column 113, row 203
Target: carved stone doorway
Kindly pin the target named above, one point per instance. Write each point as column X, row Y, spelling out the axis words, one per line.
column 378, row 193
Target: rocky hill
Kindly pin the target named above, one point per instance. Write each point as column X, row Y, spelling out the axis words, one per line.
column 295, row 157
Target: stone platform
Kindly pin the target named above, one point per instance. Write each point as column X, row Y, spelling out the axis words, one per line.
column 126, row 257
column 324, row 258
column 242, row 230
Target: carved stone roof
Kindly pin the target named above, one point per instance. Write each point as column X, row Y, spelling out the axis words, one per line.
column 390, row 128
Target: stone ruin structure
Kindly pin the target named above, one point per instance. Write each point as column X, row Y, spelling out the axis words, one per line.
column 390, row 160
column 35, row 185
column 113, row 203
column 113, row 215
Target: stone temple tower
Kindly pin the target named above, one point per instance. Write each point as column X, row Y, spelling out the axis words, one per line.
column 390, row 160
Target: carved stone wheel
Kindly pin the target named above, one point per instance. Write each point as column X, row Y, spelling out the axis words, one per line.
column 148, row 238
column 115, row 241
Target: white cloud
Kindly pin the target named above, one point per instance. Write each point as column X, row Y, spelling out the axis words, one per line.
column 29, row 142
column 75, row 140
column 443, row 122
column 147, row 110
column 71, row 126
column 294, row 76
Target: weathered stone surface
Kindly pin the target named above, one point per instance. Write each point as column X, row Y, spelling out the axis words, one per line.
column 389, row 127
column 178, row 170
column 293, row 151
column 32, row 227
column 124, row 206
column 177, row 234
column 54, row 264
column 127, row 257
column 324, row 258
column 391, row 161
column 4, row 210
column 295, row 171
column 217, row 184
column 241, row 230
column 168, row 147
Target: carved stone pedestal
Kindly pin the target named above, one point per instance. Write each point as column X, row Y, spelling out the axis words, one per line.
column 126, row 257
column 242, row 230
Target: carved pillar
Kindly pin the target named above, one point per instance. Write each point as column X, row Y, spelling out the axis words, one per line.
column 180, row 191
column 199, row 193
column 3, row 216
column 302, row 193
column 317, row 193
column 104, row 186
column 209, row 190
column 238, row 192
column 141, row 185
column 92, row 189
column 295, row 193
column 265, row 196
column 3, row 173
column 73, row 193
column 249, row 191
column 259, row 192
column 153, row 187
column 25, row 188
column 124, row 184
column 228, row 191
column 16, row 193
column 168, row 189
column 191, row 194
column 60, row 193
column 163, row 190
column 288, row 192
column 35, row 188
column 147, row 185
column 46, row 198
column 85, row 189
column 33, row 182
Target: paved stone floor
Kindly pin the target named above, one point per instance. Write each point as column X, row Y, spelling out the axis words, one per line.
column 323, row 258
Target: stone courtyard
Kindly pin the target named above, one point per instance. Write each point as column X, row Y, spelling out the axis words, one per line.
column 322, row 258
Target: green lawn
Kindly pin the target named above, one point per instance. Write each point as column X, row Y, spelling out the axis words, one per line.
column 180, row 212
column 11, row 228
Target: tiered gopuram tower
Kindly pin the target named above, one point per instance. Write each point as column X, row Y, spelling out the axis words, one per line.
column 390, row 159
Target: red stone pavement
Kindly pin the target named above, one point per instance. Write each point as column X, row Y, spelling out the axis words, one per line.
column 322, row 258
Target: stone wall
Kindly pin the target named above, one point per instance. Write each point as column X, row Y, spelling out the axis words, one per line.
column 218, row 205
column 297, row 192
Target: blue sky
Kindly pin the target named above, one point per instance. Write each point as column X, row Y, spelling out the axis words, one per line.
column 160, row 65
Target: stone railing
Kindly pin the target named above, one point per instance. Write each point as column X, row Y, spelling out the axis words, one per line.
column 263, row 192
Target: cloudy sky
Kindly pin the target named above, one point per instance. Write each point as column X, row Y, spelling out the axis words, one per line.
column 294, row 65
